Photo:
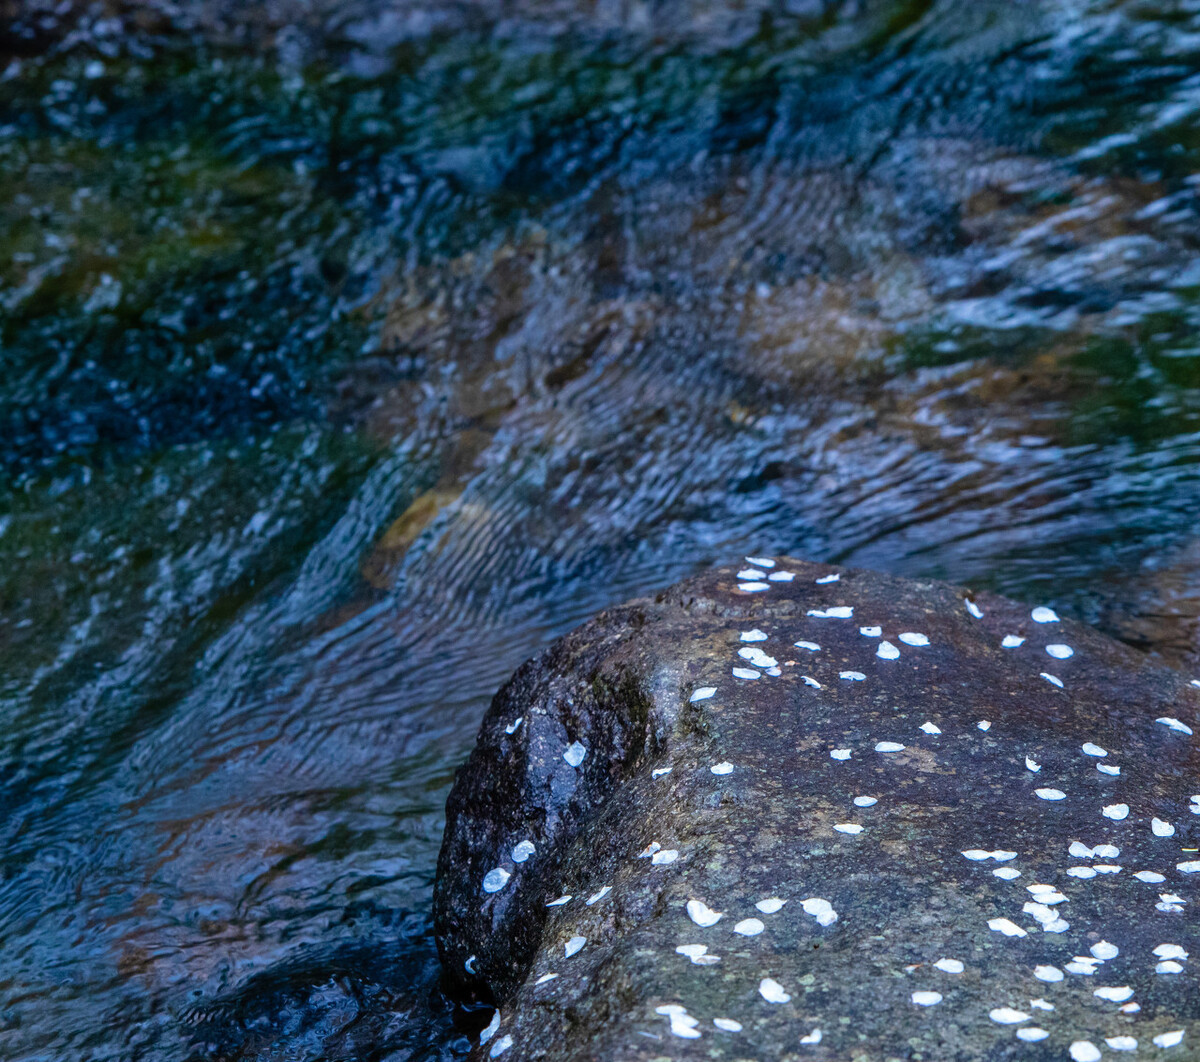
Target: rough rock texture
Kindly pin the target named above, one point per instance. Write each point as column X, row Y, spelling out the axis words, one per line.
column 993, row 772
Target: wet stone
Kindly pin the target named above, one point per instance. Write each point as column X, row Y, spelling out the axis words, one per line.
column 969, row 918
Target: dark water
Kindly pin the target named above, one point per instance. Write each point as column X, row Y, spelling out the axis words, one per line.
column 350, row 352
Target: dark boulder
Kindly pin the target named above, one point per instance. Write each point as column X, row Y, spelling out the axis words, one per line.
column 803, row 812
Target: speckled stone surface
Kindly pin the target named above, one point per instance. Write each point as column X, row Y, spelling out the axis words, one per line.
column 933, row 818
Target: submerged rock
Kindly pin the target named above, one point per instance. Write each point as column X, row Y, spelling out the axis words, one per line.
column 792, row 811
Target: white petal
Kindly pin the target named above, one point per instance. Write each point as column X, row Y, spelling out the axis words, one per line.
column 772, row 991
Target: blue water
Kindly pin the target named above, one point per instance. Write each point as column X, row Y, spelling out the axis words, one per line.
column 349, row 356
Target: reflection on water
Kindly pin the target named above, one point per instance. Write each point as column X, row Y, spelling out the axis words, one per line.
column 350, row 355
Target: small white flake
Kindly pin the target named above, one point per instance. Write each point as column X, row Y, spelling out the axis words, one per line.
column 984, row 724
column 871, row 632
column 1092, row 749
column 1032, row 765
column 1114, row 993
column 698, row 954
column 950, row 966
column 1189, row 866
column 1171, row 951
column 1059, row 651
column 851, row 676
column 865, row 801
column 1042, row 614
column 562, row 900
column 1169, row 1039
column 1081, row 851
column 1174, row 724
column 889, row 746
column 658, row 772
column 703, row 915
column 1007, row 873
column 1046, row 894
column 664, row 858
column 512, row 727
column 913, row 638
column 972, row 608
column 500, row 1046
column 810, row 681
column 1130, row 1008
column 1168, row 967
column 1083, row 966
column 1151, row 877
column 887, row 651
column 978, row 855
column 1084, row 1050
column 494, row 880
column 812, row 647
column 1121, row 1043
column 781, row 577
column 836, row 612
column 839, row 754
column 753, row 588
column 772, row 991
column 813, row 1037
column 749, row 927
column 1161, row 829
column 574, row 754
column 684, row 1026
column 746, row 673
column 522, row 851
column 1054, row 680
column 821, row 910
column 927, row 999
column 1031, row 1034
column 727, row 1024
column 755, row 656
column 1007, row 1016
column 1103, row 950
column 761, row 562
column 754, row 636
column 1050, row 794
column 1117, row 812
column 596, row 897
column 930, row 728
column 1108, row 768
column 493, row 1027
column 770, row 905
column 848, row 827
column 544, row 979
column 1050, row 974
column 702, row 694
column 573, row 945
column 824, row 579
column 751, row 573
column 1011, row 641
column 1003, row 925
column 722, row 768
column 1106, row 868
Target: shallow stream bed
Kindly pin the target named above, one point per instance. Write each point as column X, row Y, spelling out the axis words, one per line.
column 351, row 352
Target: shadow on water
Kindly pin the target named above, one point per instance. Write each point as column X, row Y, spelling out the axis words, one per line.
column 351, row 352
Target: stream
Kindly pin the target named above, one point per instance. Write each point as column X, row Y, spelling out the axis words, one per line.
column 351, row 352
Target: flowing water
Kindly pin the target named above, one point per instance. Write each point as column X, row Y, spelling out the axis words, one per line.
column 349, row 352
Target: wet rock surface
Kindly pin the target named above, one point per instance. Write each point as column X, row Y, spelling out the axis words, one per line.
column 797, row 811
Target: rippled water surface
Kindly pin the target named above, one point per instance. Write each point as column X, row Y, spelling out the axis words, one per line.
column 349, row 352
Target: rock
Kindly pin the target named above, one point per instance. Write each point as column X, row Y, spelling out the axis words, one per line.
column 789, row 830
